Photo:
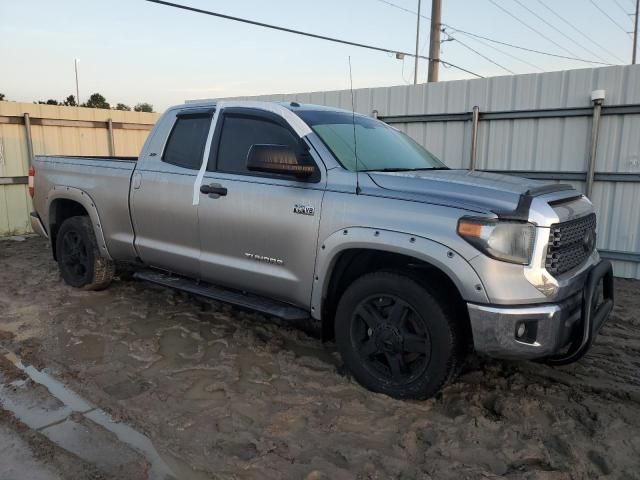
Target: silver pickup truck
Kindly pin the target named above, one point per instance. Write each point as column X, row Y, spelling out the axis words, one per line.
column 316, row 214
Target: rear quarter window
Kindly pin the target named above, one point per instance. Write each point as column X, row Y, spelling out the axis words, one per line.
column 186, row 142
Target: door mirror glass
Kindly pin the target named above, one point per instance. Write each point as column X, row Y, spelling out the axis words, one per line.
column 278, row 159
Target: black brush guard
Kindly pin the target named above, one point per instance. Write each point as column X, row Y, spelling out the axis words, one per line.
column 593, row 315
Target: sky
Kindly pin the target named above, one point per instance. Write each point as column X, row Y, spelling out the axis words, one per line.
column 134, row 51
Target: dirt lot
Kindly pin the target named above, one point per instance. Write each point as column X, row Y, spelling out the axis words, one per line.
column 223, row 393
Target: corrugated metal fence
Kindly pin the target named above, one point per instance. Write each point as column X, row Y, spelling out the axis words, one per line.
column 537, row 125
column 56, row 130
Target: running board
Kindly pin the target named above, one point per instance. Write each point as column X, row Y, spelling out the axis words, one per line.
column 245, row 300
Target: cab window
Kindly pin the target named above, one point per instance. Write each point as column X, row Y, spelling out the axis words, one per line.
column 239, row 133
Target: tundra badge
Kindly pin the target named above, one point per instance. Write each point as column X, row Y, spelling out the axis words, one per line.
column 264, row 259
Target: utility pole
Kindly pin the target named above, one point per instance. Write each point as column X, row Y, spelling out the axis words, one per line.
column 434, row 45
column 415, row 66
column 635, row 35
column 75, row 62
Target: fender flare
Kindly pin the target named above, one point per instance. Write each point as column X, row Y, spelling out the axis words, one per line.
column 61, row 192
column 449, row 261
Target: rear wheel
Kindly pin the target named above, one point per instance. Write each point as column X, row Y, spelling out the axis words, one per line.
column 395, row 337
column 79, row 259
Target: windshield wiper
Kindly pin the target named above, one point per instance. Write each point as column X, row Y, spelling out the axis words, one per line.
column 403, row 169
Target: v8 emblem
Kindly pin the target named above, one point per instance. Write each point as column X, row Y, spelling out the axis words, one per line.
column 304, row 210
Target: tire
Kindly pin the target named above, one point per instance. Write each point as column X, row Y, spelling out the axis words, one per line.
column 396, row 338
column 79, row 259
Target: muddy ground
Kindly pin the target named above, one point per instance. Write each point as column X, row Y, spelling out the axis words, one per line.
column 223, row 393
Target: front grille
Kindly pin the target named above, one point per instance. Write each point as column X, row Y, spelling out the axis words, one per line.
column 570, row 243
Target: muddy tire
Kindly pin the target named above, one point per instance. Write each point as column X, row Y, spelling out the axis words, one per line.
column 396, row 338
column 79, row 259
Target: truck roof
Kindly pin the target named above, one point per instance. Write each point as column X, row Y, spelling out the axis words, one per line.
column 290, row 105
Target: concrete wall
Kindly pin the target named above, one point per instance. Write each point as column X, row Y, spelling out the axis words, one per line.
column 57, row 130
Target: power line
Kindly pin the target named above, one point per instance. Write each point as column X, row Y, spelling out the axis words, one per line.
column 507, row 44
column 580, row 31
column 399, row 7
column 482, row 55
column 531, row 28
column 526, row 49
column 546, row 22
column 608, row 16
column 622, row 8
column 501, row 51
column 300, row 32
column 402, row 73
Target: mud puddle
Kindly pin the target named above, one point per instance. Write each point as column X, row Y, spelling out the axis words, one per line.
column 44, row 404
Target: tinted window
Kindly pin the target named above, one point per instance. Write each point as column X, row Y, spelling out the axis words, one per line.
column 240, row 133
column 186, row 142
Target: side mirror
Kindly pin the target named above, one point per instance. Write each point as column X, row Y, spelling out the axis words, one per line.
column 279, row 159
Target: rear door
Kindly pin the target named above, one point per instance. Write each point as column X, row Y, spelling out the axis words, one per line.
column 260, row 236
column 166, row 221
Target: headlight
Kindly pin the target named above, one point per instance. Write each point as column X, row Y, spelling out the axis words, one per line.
column 507, row 241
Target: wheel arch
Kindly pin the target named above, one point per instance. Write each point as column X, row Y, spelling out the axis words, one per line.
column 66, row 202
column 353, row 252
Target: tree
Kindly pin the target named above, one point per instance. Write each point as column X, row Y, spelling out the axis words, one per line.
column 51, row 101
column 70, row 101
column 122, row 106
column 143, row 107
column 97, row 101
column 1, row 96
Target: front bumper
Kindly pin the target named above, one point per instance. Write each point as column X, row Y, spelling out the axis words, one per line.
column 560, row 332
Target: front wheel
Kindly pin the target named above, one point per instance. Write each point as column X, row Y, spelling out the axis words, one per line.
column 395, row 337
column 79, row 259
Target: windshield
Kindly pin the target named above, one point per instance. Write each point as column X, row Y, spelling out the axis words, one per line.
column 379, row 147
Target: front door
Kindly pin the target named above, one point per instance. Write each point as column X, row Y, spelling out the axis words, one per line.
column 260, row 234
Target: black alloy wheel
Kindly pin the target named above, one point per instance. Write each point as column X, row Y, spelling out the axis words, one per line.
column 80, row 261
column 399, row 336
column 391, row 338
column 74, row 255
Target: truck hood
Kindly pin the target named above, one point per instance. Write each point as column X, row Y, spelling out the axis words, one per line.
column 476, row 191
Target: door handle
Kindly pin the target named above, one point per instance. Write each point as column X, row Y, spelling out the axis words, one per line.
column 214, row 190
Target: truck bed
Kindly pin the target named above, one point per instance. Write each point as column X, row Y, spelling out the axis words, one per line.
column 105, row 181
column 90, row 157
